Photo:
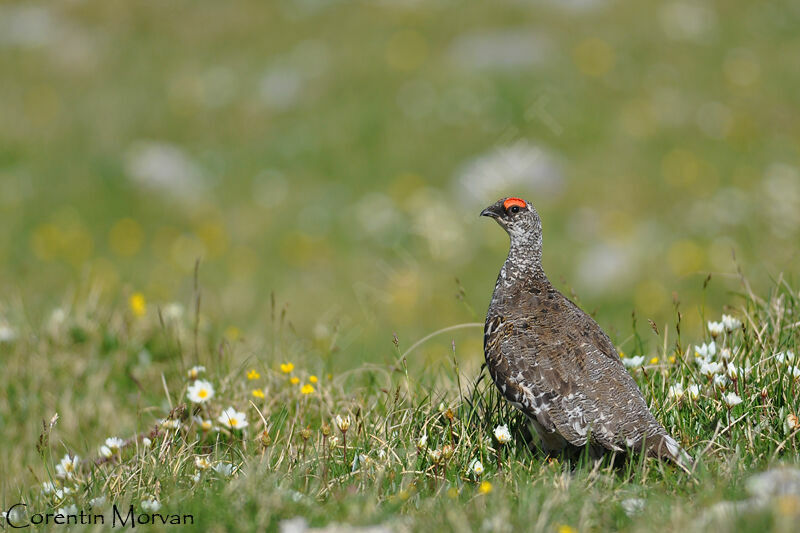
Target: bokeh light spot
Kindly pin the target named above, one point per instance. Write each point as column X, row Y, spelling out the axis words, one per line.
column 594, row 57
column 125, row 237
column 407, row 50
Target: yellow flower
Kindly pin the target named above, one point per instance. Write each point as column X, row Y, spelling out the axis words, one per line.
column 672, row 359
column 307, row 389
column 564, row 528
column 253, row 374
column 295, row 380
column 312, row 379
column 233, row 333
column 485, row 487
column 258, row 393
column 138, row 304
column 287, row 368
column 654, row 361
column 621, row 354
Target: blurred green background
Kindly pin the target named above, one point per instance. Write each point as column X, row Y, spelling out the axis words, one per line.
column 338, row 153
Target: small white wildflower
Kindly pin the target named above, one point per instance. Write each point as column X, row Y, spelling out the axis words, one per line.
column 675, row 391
column 200, row 391
column 195, row 477
column 422, row 442
column 711, row 368
column 435, row 455
column 7, row 334
column 195, row 371
column 730, row 323
column 705, row 352
column 693, row 391
column 169, row 423
column 715, row 328
column 151, row 505
column 791, row 423
column 113, row 445
column 720, row 381
column 786, row 357
column 232, row 419
column 502, row 434
column 794, row 371
column 62, row 493
column 731, row 399
column 67, row 467
column 173, row 311
column 733, row 371
column 68, row 510
column 97, row 502
column 343, row 423
column 204, row 423
column 476, row 467
column 202, row 463
column 633, row 362
column 632, row 506
column 381, row 454
column 224, row 469
column 146, row 442
column 48, row 487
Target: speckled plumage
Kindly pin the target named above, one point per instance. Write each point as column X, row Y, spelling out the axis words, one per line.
column 553, row 362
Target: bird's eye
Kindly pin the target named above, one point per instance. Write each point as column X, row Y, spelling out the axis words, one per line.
column 514, row 209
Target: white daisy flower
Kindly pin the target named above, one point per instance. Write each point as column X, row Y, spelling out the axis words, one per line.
column 730, row 323
column 195, row 371
column 731, row 399
column 716, row 328
column 112, row 446
column 633, row 362
column 67, row 467
column 169, row 423
column 151, row 505
column 202, row 463
column 200, row 391
column 233, row 419
column 502, row 434
column 476, row 467
column 204, row 423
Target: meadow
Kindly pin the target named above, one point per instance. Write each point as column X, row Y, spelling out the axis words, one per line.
column 286, row 193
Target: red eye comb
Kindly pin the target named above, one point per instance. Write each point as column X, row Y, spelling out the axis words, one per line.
column 519, row 202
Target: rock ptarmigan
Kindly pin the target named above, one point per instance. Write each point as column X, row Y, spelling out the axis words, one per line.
column 553, row 362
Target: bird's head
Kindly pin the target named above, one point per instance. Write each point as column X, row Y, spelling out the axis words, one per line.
column 518, row 218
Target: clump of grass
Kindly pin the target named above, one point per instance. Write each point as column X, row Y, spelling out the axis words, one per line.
column 272, row 436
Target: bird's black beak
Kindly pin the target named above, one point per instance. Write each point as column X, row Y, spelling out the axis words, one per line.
column 494, row 211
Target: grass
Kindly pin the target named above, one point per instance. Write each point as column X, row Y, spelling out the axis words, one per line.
column 405, row 459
